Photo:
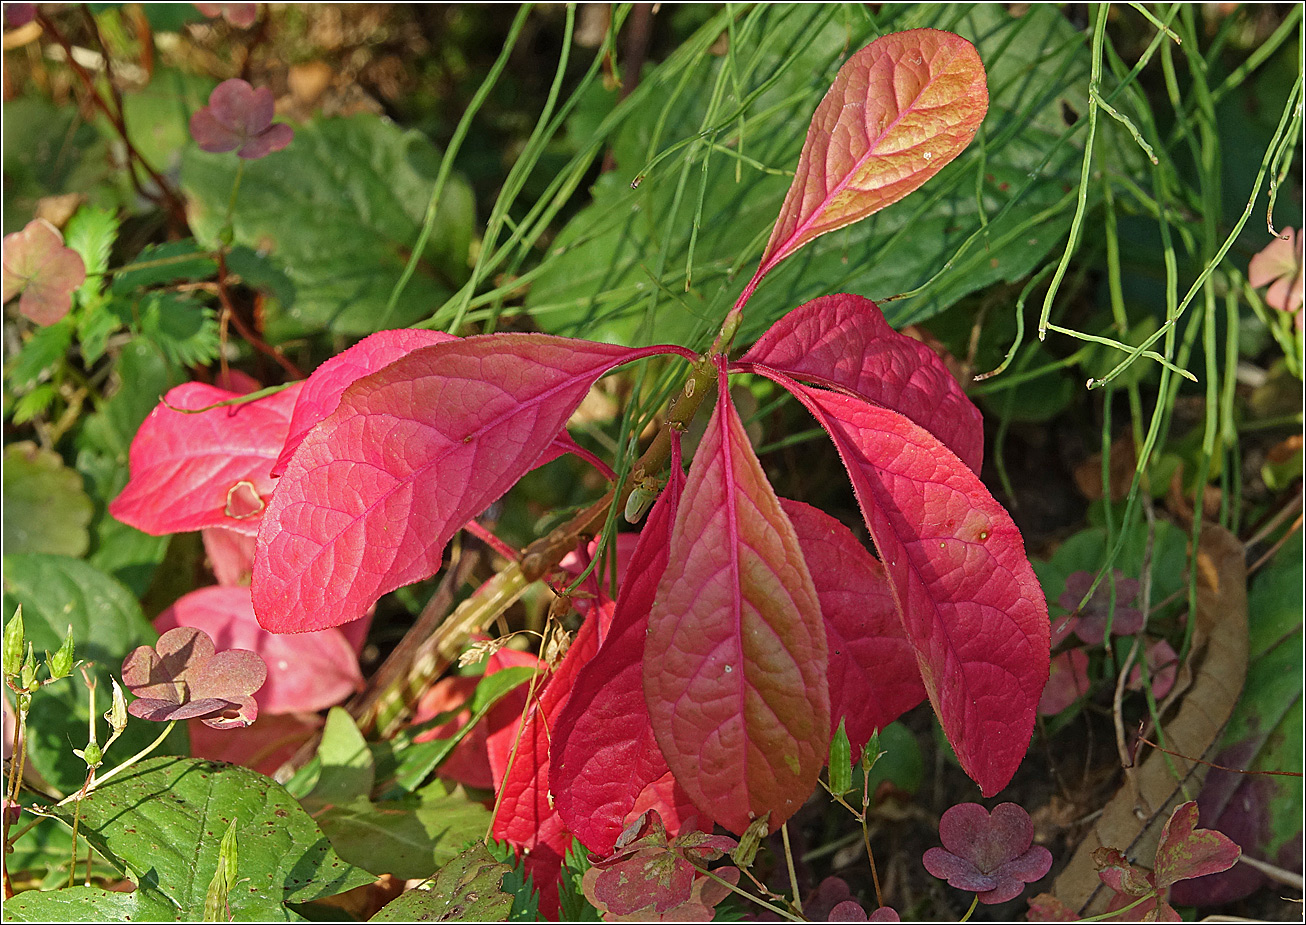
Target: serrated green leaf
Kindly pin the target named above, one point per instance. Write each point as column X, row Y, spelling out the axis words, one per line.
column 91, row 232
column 34, row 403
column 467, row 889
column 46, row 508
column 94, row 326
column 339, row 209
column 41, row 353
column 185, row 330
column 106, row 618
column 162, row 822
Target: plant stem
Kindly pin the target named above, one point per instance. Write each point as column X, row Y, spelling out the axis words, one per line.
column 789, row 862
column 143, row 753
column 971, row 911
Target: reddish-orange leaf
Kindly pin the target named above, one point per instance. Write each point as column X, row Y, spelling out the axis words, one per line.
column 898, row 111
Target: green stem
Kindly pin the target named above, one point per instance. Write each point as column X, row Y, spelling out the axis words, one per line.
column 971, row 911
column 142, row 754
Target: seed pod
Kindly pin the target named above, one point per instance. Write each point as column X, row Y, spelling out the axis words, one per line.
column 60, row 665
column 746, row 850
column 13, row 644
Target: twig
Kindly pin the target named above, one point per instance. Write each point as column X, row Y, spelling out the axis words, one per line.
column 229, row 313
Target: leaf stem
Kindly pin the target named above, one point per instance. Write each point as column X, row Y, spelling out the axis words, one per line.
column 789, row 862
column 971, row 911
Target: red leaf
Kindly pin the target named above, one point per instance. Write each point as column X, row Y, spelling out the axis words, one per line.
column 526, row 817
column 843, row 341
column 604, row 751
column 230, row 555
column 898, row 111
column 968, row 598
column 735, row 660
column 1186, row 852
column 322, row 390
column 211, row 469
column 413, row 452
column 305, row 673
column 873, row 674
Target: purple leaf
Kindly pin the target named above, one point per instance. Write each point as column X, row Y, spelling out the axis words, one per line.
column 992, row 855
column 239, row 118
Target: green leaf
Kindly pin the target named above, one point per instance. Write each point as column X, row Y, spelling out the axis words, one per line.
column 841, row 762
column 46, row 508
column 410, row 837
column 41, row 353
column 467, row 889
column 184, row 330
column 56, row 591
column 91, row 232
column 48, row 151
column 88, row 904
column 158, row 264
column 163, row 823
column 340, row 210
column 347, row 768
column 419, row 759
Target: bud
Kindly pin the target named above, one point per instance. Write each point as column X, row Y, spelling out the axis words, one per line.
column 60, row 665
column 841, row 762
column 93, row 755
column 13, row 644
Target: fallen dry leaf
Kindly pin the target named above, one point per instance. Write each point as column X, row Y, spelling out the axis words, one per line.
column 1217, row 666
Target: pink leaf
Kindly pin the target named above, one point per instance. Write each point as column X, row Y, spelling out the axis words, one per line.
column 211, row 469
column 604, row 750
column 735, row 660
column 1186, row 852
column 968, row 598
column 42, row 270
column 1067, row 682
column 230, row 555
column 873, row 674
column 413, row 452
column 322, row 390
column 898, row 111
column 843, row 341
column 306, row 673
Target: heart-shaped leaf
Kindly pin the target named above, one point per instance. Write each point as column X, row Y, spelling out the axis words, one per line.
column 413, row 452
column 968, row 598
column 898, row 111
column 844, row 341
column 604, row 752
column 735, row 661
column 873, row 675
column 204, row 469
